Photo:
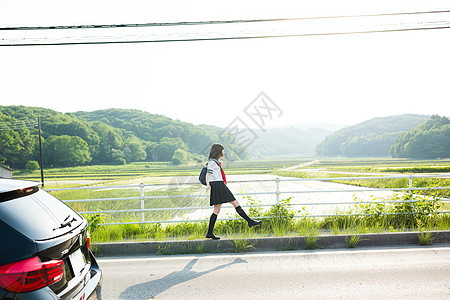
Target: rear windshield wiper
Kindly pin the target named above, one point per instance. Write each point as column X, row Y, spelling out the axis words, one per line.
column 67, row 222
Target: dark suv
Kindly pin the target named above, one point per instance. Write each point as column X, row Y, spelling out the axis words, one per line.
column 44, row 247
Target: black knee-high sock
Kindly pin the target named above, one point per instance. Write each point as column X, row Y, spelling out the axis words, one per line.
column 250, row 222
column 242, row 213
column 212, row 222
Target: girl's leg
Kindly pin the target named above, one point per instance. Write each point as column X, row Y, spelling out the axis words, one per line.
column 235, row 203
column 217, row 208
column 242, row 213
column 212, row 222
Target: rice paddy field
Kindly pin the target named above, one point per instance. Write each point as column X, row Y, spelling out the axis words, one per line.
column 151, row 172
column 127, row 187
column 154, row 172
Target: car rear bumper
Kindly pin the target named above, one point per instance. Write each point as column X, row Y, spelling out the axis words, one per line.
column 93, row 288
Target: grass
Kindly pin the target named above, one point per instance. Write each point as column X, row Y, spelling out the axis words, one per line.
column 352, row 240
column 243, row 245
column 280, row 225
column 426, row 239
column 311, row 242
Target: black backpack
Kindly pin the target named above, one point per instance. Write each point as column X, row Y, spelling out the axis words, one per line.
column 202, row 176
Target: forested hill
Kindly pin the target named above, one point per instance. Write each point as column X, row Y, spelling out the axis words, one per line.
column 370, row 138
column 113, row 136
column 430, row 139
column 157, row 129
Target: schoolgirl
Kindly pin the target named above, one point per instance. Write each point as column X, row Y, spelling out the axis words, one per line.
column 216, row 182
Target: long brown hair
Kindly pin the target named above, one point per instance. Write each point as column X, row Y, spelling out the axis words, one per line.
column 216, row 151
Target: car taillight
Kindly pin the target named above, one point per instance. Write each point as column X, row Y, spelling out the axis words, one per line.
column 88, row 237
column 30, row 274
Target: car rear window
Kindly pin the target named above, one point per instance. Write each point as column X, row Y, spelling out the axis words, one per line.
column 9, row 195
column 39, row 216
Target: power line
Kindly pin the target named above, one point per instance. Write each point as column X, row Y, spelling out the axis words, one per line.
column 223, row 38
column 17, row 122
column 161, row 35
column 160, row 24
column 18, row 125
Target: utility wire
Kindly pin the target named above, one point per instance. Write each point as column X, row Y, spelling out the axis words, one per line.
column 159, row 24
column 252, row 35
column 221, row 38
column 18, row 125
column 17, row 122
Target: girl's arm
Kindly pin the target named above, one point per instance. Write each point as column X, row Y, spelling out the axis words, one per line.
column 207, row 181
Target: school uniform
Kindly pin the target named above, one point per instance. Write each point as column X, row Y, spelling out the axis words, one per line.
column 219, row 191
column 221, row 194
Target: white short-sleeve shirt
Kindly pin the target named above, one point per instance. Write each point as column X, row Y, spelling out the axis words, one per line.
column 214, row 169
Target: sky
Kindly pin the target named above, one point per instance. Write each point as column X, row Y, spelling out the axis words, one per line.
column 333, row 79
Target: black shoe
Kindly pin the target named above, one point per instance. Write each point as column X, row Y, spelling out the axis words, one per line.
column 254, row 223
column 212, row 236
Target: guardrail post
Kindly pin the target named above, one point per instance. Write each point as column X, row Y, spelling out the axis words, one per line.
column 410, row 186
column 277, row 182
column 141, row 186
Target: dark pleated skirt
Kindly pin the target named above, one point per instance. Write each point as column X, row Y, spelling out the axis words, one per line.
column 220, row 193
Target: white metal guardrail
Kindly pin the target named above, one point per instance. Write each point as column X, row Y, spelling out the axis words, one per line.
column 277, row 193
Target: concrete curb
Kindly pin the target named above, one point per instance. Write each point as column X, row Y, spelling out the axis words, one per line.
column 262, row 244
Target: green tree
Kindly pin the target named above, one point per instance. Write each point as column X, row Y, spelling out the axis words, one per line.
column 66, row 151
column 167, row 146
column 110, row 141
column 32, row 165
column 180, row 157
column 118, row 157
column 134, row 149
column 16, row 145
column 150, row 149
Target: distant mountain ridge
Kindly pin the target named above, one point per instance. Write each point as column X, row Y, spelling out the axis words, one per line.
column 327, row 126
column 373, row 137
column 286, row 141
column 117, row 136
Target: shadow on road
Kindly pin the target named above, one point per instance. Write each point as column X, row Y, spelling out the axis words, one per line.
column 155, row 287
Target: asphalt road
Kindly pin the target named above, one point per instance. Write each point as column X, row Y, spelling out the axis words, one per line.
column 400, row 273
